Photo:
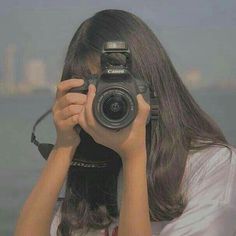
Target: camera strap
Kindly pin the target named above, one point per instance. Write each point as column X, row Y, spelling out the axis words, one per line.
column 154, row 108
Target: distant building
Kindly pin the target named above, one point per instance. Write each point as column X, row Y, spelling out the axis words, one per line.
column 8, row 82
column 34, row 77
column 226, row 84
column 193, row 78
column 35, row 73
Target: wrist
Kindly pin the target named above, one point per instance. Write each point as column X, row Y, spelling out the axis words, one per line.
column 134, row 157
column 66, row 149
column 66, row 143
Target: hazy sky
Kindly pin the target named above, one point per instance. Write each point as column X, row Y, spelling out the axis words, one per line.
column 200, row 13
column 197, row 34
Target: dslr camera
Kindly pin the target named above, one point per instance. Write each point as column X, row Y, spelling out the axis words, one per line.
column 115, row 104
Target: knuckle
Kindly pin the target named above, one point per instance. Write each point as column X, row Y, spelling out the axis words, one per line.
column 56, row 118
column 84, row 98
column 54, row 114
column 74, row 109
column 60, row 123
column 78, row 109
column 68, row 97
column 75, row 119
column 70, row 109
column 80, row 119
column 60, row 87
column 81, row 98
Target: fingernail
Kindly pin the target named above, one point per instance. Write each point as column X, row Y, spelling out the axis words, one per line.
column 92, row 89
column 81, row 80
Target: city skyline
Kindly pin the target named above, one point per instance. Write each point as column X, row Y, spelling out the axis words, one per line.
column 200, row 45
column 35, row 77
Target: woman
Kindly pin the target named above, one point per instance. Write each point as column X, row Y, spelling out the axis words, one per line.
column 178, row 172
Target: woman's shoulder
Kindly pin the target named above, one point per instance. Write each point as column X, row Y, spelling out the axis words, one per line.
column 211, row 173
column 211, row 185
column 212, row 157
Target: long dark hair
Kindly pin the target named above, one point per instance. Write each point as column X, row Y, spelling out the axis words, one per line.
column 182, row 124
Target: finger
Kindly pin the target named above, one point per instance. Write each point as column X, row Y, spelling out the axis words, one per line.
column 88, row 107
column 82, row 121
column 143, row 110
column 65, row 85
column 70, row 110
column 72, row 98
column 70, row 122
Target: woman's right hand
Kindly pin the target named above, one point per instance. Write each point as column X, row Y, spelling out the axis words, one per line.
column 66, row 110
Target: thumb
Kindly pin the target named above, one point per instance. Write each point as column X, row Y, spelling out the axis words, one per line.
column 89, row 103
column 92, row 89
column 143, row 110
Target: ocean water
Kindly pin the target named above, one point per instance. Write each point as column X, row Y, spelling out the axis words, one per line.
column 21, row 164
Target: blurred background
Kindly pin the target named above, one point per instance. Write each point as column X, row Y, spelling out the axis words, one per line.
column 199, row 36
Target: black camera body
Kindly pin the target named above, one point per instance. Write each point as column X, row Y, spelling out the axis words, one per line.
column 115, row 104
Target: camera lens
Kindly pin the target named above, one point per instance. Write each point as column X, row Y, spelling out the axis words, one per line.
column 115, row 107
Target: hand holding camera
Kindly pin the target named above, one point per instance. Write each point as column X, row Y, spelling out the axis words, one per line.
column 66, row 111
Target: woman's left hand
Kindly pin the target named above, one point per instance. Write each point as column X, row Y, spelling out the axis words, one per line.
column 128, row 141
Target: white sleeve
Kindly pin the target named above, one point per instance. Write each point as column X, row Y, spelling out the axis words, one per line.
column 55, row 222
column 211, row 208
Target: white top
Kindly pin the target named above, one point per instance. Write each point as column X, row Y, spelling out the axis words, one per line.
column 210, row 180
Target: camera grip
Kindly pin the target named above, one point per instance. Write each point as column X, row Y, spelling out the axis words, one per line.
column 81, row 89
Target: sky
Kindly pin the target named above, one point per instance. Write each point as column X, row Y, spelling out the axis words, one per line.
column 197, row 35
column 168, row 13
